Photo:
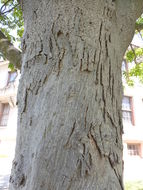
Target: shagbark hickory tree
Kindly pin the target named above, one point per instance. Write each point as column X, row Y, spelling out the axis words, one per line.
column 69, row 97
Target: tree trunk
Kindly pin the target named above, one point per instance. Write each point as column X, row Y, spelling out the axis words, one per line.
column 70, row 92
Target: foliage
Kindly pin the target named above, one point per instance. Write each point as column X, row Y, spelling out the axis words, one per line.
column 11, row 22
column 11, row 19
column 140, row 20
column 137, row 71
column 11, row 67
column 134, row 185
column 134, row 56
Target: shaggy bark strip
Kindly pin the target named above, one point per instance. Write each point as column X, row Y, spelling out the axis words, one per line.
column 69, row 123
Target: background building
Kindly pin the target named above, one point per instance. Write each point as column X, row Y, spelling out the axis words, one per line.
column 132, row 109
column 8, row 120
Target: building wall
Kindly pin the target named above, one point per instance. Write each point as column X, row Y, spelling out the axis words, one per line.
column 8, row 132
column 133, row 134
column 3, row 74
column 8, row 92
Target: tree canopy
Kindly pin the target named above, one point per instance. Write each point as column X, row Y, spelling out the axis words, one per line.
column 11, row 31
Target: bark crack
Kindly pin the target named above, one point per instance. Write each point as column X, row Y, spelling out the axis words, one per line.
column 117, row 174
column 62, row 54
column 71, row 133
column 86, row 116
column 94, row 142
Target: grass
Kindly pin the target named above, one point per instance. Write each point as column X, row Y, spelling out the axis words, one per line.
column 3, row 156
column 134, row 185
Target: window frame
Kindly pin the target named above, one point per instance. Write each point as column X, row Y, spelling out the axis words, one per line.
column 2, row 114
column 131, row 152
column 131, row 110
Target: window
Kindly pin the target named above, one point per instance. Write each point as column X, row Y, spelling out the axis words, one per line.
column 4, row 113
column 133, row 149
column 127, row 111
column 12, row 76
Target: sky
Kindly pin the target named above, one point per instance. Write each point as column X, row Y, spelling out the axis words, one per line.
column 137, row 40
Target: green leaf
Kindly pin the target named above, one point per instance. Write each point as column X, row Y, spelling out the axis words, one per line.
column 12, row 20
column 11, row 67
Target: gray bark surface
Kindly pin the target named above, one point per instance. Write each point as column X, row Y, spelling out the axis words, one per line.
column 70, row 92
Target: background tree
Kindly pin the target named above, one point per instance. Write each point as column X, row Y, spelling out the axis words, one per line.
column 133, row 59
column 70, row 92
column 11, row 19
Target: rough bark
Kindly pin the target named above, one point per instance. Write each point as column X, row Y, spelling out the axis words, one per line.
column 9, row 51
column 69, row 122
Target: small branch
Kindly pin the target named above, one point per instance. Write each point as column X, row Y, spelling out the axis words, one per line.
column 135, row 59
column 4, row 6
column 126, row 69
column 8, row 11
column 9, row 51
column 140, row 35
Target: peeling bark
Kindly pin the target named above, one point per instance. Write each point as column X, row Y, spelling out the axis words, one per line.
column 69, row 123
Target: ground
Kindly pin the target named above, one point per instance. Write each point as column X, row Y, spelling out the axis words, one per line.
column 6, row 157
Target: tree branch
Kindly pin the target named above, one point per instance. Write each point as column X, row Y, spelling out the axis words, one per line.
column 9, row 51
column 4, row 6
column 135, row 59
column 8, row 11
